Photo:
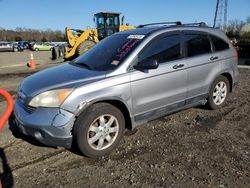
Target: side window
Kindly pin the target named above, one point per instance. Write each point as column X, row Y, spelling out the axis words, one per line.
column 197, row 44
column 116, row 21
column 163, row 49
column 219, row 44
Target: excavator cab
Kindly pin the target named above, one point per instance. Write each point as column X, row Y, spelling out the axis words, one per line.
column 107, row 23
column 80, row 41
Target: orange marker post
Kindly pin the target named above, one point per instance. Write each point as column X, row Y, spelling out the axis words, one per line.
column 32, row 63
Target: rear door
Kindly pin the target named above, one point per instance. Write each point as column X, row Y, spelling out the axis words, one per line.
column 157, row 91
column 201, row 63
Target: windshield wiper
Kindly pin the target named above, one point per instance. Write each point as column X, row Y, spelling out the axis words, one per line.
column 83, row 65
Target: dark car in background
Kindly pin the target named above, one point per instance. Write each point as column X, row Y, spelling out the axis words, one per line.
column 10, row 47
column 23, row 44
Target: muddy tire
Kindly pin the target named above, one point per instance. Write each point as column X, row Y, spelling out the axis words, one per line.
column 54, row 53
column 218, row 93
column 84, row 47
column 99, row 130
column 61, row 51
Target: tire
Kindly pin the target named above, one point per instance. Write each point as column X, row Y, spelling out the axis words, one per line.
column 61, row 50
column 92, row 132
column 84, row 47
column 218, row 93
column 36, row 49
column 15, row 49
column 54, row 53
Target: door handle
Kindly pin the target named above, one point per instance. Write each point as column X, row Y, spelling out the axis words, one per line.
column 214, row 58
column 178, row 66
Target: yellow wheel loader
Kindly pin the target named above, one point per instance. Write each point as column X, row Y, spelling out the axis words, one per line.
column 80, row 41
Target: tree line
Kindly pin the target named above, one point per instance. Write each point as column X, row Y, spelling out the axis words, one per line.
column 24, row 34
column 234, row 30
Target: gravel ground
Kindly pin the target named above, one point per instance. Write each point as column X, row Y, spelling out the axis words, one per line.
column 193, row 148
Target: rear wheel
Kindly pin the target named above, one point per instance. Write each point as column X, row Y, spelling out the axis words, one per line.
column 36, row 49
column 218, row 93
column 84, row 47
column 99, row 130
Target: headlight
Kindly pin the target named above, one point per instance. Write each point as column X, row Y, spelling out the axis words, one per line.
column 52, row 98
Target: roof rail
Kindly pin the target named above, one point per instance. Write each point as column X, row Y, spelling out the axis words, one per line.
column 160, row 23
column 200, row 24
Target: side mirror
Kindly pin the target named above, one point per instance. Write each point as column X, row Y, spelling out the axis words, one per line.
column 94, row 19
column 122, row 20
column 147, row 64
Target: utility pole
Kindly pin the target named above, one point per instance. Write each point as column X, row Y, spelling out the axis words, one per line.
column 220, row 17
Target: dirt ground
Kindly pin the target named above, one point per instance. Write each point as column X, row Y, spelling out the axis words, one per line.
column 193, row 148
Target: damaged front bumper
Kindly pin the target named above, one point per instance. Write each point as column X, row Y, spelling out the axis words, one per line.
column 50, row 126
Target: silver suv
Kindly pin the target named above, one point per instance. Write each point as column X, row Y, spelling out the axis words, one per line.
column 126, row 80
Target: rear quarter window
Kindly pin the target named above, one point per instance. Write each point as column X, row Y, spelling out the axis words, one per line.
column 218, row 43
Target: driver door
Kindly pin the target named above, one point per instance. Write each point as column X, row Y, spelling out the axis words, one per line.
column 158, row 91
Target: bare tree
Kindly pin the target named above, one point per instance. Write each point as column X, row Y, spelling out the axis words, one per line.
column 31, row 35
column 234, row 27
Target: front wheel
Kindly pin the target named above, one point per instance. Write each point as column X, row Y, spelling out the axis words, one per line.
column 99, row 130
column 84, row 47
column 218, row 93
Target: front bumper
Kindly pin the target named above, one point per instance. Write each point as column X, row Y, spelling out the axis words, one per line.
column 50, row 126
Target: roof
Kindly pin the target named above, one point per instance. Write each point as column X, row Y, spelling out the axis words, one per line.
column 141, row 31
column 151, row 29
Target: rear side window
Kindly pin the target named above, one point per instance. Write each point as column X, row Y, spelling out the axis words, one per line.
column 219, row 44
column 163, row 49
column 197, row 44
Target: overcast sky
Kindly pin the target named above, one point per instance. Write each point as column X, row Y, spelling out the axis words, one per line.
column 56, row 14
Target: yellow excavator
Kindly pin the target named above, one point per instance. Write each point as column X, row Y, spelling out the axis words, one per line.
column 80, row 41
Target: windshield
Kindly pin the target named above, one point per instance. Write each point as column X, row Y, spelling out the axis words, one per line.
column 99, row 21
column 110, row 52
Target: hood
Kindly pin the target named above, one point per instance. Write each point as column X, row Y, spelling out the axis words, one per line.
column 65, row 75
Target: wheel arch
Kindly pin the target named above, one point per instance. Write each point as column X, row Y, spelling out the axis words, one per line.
column 123, row 108
column 227, row 75
column 230, row 79
column 118, row 104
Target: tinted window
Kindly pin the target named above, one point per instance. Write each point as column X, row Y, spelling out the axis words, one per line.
column 110, row 52
column 163, row 49
column 197, row 44
column 219, row 44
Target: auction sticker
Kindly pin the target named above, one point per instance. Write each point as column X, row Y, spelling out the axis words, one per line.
column 136, row 36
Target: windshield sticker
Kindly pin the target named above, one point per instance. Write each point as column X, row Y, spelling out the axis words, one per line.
column 136, row 37
column 123, row 51
column 115, row 62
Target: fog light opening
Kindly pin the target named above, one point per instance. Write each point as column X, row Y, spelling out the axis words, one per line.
column 38, row 135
